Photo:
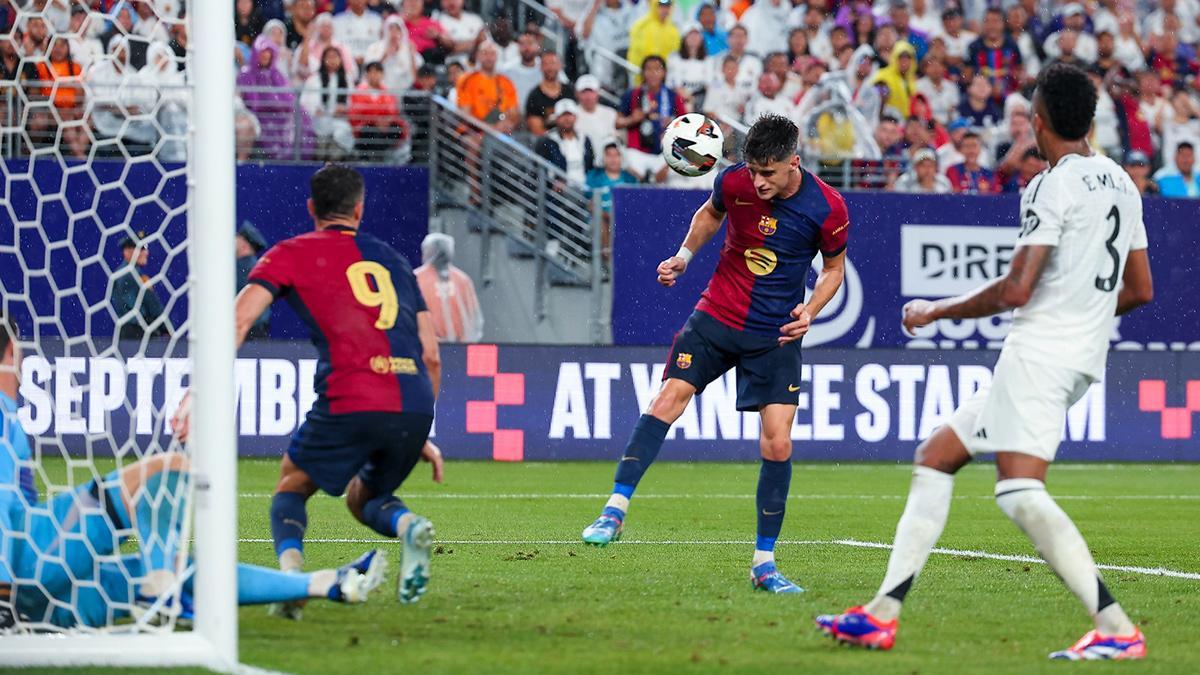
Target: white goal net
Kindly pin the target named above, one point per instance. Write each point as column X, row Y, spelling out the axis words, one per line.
column 116, row 225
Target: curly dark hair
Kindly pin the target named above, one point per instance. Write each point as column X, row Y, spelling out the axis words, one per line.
column 773, row 138
column 1068, row 99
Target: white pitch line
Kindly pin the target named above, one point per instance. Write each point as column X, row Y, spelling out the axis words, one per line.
column 746, row 495
column 1133, row 569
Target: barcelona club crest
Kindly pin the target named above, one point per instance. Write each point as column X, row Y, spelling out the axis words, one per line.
column 767, row 225
column 683, row 361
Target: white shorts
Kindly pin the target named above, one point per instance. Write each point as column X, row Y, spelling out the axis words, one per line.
column 1024, row 410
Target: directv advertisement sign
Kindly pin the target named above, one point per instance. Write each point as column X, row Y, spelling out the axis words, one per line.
column 515, row 403
column 900, row 247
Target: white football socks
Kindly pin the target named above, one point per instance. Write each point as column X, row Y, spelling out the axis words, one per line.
column 761, row 557
column 321, row 582
column 619, row 502
column 918, row 530
column 291, row 560
column 1058, row 541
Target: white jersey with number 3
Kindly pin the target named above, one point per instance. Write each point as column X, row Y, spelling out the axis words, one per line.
column 1089, row 210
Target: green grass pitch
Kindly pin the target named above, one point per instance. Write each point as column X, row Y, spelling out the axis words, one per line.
column 514, row 591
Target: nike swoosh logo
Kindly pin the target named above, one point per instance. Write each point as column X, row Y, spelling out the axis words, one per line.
column 629, row 459
column 738, row 202
column 768, row 513
column 793, row 388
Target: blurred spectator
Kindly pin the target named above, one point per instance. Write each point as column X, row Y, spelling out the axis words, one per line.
column 1106, row 58
column 565, row 148
column 1017, row 21
column 266, row 93
column 400, row 59
column 139, row 312
column 654, row 34
column 429, row 37
column 980, row 106
column 65, row 94
column 716, row 38
column 766, row 21
column 898, row 13
column 13, row 71
column 374, row 113
column 527, row 72
column 948, row 154
column 248, row 22
column 885, row 40
column 246, row 129
column 1168, row 60
column 942, row 94
column 970, row 177
column 1157, row 21
column 149, row 26
column 957, row 39
column 690, row 68
column 540, row 104
column 594, row 121
column 1130, row 50
column 888, row 136
column 448, row 292
column 118, row 101
column 571, row 14
column 1031, row 165
column 1137, row 165
column 300, row 21
column 1134, row 128
column 1179, row 125
column 610, row 173
column 160, row 75
column 921, row 109
column 487, row 95
column 925, row 17
column 1106, row 132
column 277, row 32
column 248, row 246
column 465, row 28
column 1010, row 154
column 862, row 30
column 607, row 24
column 923, row 177
column 797, row 46
column 724, row 98
column 325, row 100
column 1075, row 23
column 311, row 54
column 917, row 136
column 768, row 101
column 647, row 109
column 749, row 66
column 35, row 41
column 996, row 57
column 1180, row 179
column 357, row 28
column 898, row 80
column 85, row 47
column 816, row 33
column 791, row 83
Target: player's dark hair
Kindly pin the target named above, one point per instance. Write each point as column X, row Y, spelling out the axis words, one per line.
column 8, row 334
column 1068, row 99
column 773, row 138
column 336, row 190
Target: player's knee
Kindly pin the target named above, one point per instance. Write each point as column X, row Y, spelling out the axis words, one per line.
column 776, row 448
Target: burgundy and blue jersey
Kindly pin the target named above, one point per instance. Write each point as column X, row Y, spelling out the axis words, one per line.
column 360, row 300
column 769, row 248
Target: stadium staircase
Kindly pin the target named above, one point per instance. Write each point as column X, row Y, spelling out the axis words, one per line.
column 531, row 240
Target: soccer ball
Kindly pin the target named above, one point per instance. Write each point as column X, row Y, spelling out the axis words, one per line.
column 692, row 144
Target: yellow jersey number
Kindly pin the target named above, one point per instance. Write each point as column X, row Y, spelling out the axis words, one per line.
column 362, row 275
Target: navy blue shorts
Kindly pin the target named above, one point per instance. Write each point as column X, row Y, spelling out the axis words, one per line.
column 381, row 448
column 706, row 349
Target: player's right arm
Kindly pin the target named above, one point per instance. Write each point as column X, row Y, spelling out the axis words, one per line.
column 430, row 353
column 1137, row 287
column 251, row 302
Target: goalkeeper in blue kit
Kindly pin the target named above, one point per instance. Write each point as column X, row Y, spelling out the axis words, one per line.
column 60, row 559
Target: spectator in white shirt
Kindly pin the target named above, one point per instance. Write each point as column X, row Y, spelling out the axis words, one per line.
column 465, row 28
column 924, row 176
column 1185, row 10
column 724, row 99
column 1129, row 44
column 811, row 18
column 942, row 94
column 358, row 28
column 924, row 16
column 396, row 53
column 1074, row 21
column 749, row 66
column 767, row 21
column 689, row 70
column 607, row 24
column 1016, row 20
column 527, row 72
column 596, row 122
column 768, row 100
column 957, row 38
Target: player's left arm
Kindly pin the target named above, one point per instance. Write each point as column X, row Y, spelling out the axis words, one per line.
column 829, row 280
column 1011, row 291
column 431, row 355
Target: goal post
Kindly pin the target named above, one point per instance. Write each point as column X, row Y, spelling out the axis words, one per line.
column 209, row 289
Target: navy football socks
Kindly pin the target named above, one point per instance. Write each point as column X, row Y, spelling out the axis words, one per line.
column 288, row 521
column 640, row 453
column 383, row 513
column 774, row 479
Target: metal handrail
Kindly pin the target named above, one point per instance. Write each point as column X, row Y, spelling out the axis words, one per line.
column 508, row 189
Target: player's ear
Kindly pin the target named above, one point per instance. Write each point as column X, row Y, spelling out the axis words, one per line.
column 795, row 161
column 358, row 210
column 311, row 211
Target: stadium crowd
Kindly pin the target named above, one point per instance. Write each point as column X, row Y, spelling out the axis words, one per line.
column 924, row 95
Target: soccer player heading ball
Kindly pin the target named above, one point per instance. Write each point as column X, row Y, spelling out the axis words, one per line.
column 752, row 317
column 1080, row 259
